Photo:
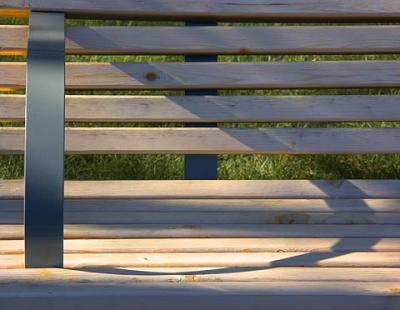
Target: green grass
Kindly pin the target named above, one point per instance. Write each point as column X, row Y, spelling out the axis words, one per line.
column 230, row 167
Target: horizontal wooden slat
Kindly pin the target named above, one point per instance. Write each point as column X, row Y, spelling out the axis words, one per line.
column 239, row 260
column 221, row 189
column 193, row 218
column 223, row 10
column 218, row 205
column 232, row 40
column 190, row 212
column 14, row 39
column 293, row 211
column 146, row 231
column 216, row 40
column 331, row 74
column 216, row 109
column 220, row 245
column 216, row 141
column 184, row 275
column 84, row 292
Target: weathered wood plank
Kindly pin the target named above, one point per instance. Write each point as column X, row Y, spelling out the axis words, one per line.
column 232, row 40
column 219, row 189
column 197, row 296
column 235, row 296
column 14, row 39
column 12, row 76
column 150, row 231
column 218, row 245
column 216, row 109
column 171, row 76
column 232, row 260
column 220, row 205
column 204, row 211
column 265, row 10
column 194, row 218
column 215, row 40
column 184, row 275
column 217, row 141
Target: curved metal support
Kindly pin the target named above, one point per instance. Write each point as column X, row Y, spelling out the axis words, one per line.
column 44, row 144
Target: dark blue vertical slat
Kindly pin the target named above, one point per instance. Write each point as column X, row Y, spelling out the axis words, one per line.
column 44, row 141
column 201, row 167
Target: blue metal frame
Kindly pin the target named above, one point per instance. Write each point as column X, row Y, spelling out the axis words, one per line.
column 44, row 141
column 201, row 167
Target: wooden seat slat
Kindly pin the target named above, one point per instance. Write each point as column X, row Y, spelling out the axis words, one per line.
column 197, row 296
column 217, row 245
column 185, row 275
column 216, row 108
column 338, row 206
column 221, row 260
column 223, row 211
column 276, row 10
column 250, row 75
column 220, row 189
column 146, row 231
column 194, row 218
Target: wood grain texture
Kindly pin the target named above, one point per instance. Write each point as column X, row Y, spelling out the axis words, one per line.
column 216, row 141
column 219, row 205
column 198, row 218
column 150, row 231
column 174, row 76
column 197, row 296
column 222, row 260
column 12, row 76
column 204, row 211
column 216, row 108
column 215, row 40
column 184, row 275
column 14, row 39
column 266, row 10
column 220, row 189
column 232, row 40
column 220, row 245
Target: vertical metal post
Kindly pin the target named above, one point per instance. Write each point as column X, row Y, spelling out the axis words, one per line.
column 201, row 167
column 44, row 141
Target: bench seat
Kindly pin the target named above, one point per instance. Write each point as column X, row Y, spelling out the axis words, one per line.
column 213, row 244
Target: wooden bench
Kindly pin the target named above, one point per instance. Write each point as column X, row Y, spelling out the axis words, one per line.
column 198, row 243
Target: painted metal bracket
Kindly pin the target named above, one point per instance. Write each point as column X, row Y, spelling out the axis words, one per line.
column 201, row 167
column 44, row 141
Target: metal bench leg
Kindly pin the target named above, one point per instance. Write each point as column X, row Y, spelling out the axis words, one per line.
column 44, row 142
column 201, row 167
